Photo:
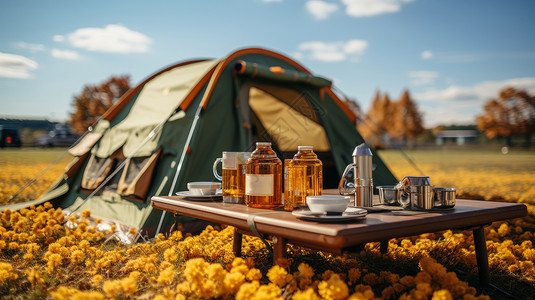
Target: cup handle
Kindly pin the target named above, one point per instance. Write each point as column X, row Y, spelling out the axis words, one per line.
column 347, row 184
column 216, row 175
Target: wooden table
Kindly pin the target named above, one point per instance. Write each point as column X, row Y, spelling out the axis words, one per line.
column 338, row 238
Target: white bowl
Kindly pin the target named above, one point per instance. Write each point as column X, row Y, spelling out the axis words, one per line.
column 326, row 203
column 203, row 187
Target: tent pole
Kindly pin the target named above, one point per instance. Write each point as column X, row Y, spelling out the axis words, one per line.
column 181, row 162
column 206, row 95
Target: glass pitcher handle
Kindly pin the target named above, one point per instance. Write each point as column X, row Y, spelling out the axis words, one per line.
column 216, row 175
column 347, row 182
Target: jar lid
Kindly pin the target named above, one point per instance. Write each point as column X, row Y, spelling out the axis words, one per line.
column 305, row 148
column 263, row 144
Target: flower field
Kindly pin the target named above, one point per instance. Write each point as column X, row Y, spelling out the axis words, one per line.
column 40, row 258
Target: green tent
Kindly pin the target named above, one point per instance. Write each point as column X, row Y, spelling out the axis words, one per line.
column 169, row 130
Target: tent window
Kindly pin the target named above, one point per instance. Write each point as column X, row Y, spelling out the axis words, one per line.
column 288, row 118
column 111, row 185
column 136, row 177
column 96, row 171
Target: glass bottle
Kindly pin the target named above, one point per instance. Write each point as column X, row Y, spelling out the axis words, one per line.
column 305, row 177
column 263, row 178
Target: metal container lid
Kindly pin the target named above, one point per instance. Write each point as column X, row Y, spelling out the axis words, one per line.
column 362, row 149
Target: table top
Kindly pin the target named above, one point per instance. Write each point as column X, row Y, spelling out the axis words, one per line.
column 377, row 226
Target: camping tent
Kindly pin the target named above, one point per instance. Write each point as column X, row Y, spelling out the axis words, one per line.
column 169, row 129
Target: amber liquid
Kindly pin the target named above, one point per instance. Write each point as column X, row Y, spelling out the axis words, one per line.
column 305, row 177
column 231, row 182
column 263, row 180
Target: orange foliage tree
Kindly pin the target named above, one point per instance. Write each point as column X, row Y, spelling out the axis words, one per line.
column 94, row 100
column 512, row 113
column 406, row 121
column 399, row 119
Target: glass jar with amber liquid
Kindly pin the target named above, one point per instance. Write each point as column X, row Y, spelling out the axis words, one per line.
column 263, row 178
column 304, row 178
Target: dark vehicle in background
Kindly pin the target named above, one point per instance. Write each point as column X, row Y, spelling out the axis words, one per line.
column 61, row 136
column 9, row 137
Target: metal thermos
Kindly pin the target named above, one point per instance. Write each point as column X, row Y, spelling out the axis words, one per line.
column 362, row 185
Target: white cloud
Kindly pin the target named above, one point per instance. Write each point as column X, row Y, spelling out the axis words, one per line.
column 355, row 47
column 460, row 104
column 321, row 10
column 448, row 115
column 422, row 77
column 427, row 54
column 368, row 8
column 65, row 54
column 112, row 38
column 58, row 38
column 334, row 51
column 16, row 66
column 479, row 92
column 31, row 47
column 464, row 57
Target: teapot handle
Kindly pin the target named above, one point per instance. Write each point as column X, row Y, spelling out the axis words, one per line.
column 346, row 186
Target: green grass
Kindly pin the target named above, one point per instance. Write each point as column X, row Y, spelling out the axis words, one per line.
column 483, row 161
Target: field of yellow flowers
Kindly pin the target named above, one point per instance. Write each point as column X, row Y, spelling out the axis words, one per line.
column 45, row 254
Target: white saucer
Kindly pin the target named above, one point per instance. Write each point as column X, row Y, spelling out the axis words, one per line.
column 188, row 196
column 351, row 213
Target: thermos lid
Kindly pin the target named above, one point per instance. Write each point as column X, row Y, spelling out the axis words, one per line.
column 362, row 149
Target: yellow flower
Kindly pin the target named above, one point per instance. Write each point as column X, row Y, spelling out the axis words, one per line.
column 86, row 213
column 77, row 256
column 126, row 286
column 233, row 281
column 34, row 276
column 308, row 294
column 96, row 279
column 305, row 270
column 254, row 274
column 278, row 275
column 53, row 262
column 333, row 289
column 247, row 290
column 269, row 291
column 166, row 275
column 5, row 272
column 70, row 293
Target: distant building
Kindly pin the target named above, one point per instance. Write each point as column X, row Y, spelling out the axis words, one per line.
column 32, row 123
column 23, row 129
column 460, row 137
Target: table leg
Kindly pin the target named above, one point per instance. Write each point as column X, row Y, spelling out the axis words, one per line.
column 384, row 247
column 279, row 248
column 481, row 256
column 237, row 242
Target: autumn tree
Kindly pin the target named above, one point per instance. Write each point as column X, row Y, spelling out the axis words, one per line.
column 379, row 114
column 94, row 101
column 512, row 113
column 406, row 121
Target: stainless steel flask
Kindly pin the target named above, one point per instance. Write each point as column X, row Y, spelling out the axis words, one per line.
column 357, row 178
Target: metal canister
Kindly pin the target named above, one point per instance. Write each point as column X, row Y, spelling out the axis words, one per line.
column 362, row 185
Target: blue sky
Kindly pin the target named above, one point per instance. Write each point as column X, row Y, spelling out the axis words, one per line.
column 451, row 55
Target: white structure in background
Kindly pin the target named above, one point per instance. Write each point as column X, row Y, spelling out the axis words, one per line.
column 460, row 137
